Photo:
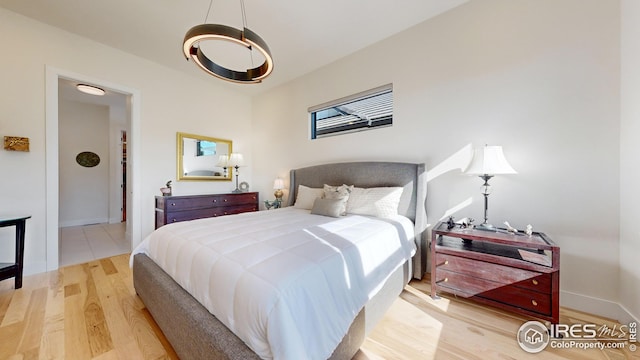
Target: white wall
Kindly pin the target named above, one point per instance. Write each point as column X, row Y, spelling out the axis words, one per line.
column 629, row 151
column 170, row 102
column 540, row 78
column 84, row 191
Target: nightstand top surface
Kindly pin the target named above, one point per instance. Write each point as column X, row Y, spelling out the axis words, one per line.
column 537, row 239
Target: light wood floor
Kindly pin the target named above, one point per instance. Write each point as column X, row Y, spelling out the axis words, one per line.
column 91, row 311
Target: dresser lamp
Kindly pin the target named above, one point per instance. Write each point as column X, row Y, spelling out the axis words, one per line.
column 235, row 161
column 223, row 162
column 487, row 162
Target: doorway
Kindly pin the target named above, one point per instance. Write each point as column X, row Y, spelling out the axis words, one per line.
column 123, row 165
column 129, row 211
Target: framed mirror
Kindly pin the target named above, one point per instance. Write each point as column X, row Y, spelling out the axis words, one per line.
column 199, row 157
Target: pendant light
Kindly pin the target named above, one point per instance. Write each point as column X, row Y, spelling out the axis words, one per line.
column 244, row 37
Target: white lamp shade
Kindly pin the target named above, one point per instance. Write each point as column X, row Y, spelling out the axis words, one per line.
column 278, row 184
column 223, row 160
column 489, row 160
column 236, row 159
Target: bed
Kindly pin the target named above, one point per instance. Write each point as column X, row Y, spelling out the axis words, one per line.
column 195, row 333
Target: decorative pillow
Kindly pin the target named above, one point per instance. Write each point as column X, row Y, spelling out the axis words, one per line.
column 306, row 196
column 338, row 192
column 328, row 207
column 379, row 202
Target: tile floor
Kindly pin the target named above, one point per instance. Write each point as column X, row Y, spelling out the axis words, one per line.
column 80, row 244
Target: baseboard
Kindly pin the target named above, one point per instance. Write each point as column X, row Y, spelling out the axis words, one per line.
column 592, row 305
column 82, row 222
column 33, row 267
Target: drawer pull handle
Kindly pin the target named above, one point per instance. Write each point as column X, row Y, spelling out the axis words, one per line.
column 443, row 280
column 534, row 303
column 534, row 281
column 225, row 200
column 226, row 213
column 173, row 220
column 173, row 204
column 446, row 262
column 215, row 200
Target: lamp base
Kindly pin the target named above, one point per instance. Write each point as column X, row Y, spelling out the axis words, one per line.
column 486, row 227
column 236, row 191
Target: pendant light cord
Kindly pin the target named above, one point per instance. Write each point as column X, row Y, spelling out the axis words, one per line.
column 244, row 14
column 208, row 10
column 244, row 25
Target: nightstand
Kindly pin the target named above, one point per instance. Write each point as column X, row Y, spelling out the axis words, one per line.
column 519, row 273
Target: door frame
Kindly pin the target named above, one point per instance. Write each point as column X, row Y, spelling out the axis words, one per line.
column 134, row 222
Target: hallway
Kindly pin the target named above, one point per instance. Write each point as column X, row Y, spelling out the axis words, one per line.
column 79, row 244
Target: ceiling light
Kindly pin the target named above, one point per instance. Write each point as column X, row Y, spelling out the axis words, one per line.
column 88, row 89
column 244, row 37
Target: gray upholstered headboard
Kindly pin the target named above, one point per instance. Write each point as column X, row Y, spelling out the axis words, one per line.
column 412, row 177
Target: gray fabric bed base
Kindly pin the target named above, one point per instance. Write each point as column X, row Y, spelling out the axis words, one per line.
column 195, row 333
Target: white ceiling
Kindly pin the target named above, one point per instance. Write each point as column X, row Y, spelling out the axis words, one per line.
column 302, row 35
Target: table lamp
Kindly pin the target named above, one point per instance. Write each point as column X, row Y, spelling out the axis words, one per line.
column 235, row 161
column 278, row 185
column 223, row 162
column 487, row 162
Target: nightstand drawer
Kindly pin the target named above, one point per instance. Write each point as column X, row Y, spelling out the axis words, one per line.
column 472, row 287
column 497, row 273
column 540, row 283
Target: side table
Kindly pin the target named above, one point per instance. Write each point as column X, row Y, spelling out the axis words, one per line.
column 14, row 270
column 519, row 273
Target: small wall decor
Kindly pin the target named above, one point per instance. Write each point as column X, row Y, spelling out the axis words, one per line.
column 16, row 143
column 88, row 159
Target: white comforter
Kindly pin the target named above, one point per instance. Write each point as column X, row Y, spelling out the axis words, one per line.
column 286, row 282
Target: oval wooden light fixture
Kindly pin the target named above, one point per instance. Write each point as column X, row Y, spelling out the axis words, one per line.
column 245, row 37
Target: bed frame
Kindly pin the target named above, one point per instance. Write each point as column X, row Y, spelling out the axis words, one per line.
column 195, row 333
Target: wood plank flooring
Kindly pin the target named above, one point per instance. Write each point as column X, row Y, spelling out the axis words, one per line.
column 91, row 311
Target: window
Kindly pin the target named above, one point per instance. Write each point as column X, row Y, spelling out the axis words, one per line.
column 205, row 148
column 363, row 111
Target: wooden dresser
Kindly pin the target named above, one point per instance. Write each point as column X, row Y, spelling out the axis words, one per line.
column 171, row 209
column 520, row 273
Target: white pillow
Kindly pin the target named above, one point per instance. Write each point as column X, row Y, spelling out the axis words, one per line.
column 340, row 193
column 306, row 196
column 379, row 202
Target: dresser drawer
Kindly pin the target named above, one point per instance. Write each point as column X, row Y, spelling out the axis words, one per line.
column 497, row 273
column 238, row 199
column 187, row 203
column 472, row 287
column 177, row 216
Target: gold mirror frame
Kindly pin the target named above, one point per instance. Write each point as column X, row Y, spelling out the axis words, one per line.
column 191, row 158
